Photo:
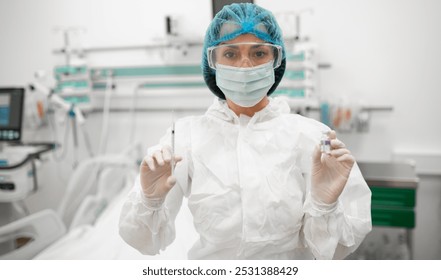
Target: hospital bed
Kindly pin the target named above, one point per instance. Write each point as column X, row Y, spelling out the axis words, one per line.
column 93, row 232
column 101, row 240
column 96, row 185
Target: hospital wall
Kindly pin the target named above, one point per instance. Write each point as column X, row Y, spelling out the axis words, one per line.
column 382, row 53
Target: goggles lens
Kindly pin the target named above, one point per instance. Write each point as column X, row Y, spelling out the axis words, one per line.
column 244, row 55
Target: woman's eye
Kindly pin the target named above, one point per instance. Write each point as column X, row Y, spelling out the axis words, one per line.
column 260, row 54
column 229, row 54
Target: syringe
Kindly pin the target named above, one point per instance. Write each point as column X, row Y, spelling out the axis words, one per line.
column 172, row 162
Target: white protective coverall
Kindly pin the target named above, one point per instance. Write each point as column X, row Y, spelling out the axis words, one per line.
column 247, row 181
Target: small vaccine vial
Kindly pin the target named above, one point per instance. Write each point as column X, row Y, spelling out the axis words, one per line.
column 325, row 143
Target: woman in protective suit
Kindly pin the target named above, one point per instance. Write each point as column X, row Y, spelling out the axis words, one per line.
column 257, row 183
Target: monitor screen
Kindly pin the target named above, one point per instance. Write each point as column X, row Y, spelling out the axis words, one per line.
column 11, row 113
column 219, row 4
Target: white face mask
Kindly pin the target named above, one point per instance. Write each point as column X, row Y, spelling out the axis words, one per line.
column 245, row 86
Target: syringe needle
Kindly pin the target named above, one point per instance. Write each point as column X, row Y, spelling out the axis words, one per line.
column 173, row 145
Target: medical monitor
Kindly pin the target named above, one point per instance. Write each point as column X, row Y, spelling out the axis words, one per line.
column 219, row 4
column 11, row 113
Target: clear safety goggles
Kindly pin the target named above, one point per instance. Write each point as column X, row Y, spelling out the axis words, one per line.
column 244, row 55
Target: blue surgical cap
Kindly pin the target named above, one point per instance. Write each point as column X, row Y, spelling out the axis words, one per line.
column 237, row 19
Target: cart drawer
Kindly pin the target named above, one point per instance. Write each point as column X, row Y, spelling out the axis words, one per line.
column 393, row 197
column 393, row 217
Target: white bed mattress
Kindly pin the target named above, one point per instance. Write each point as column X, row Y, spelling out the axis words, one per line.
column 101, row 241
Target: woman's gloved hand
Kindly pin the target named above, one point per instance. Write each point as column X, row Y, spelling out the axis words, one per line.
column 155, row 174
column 330, row 172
